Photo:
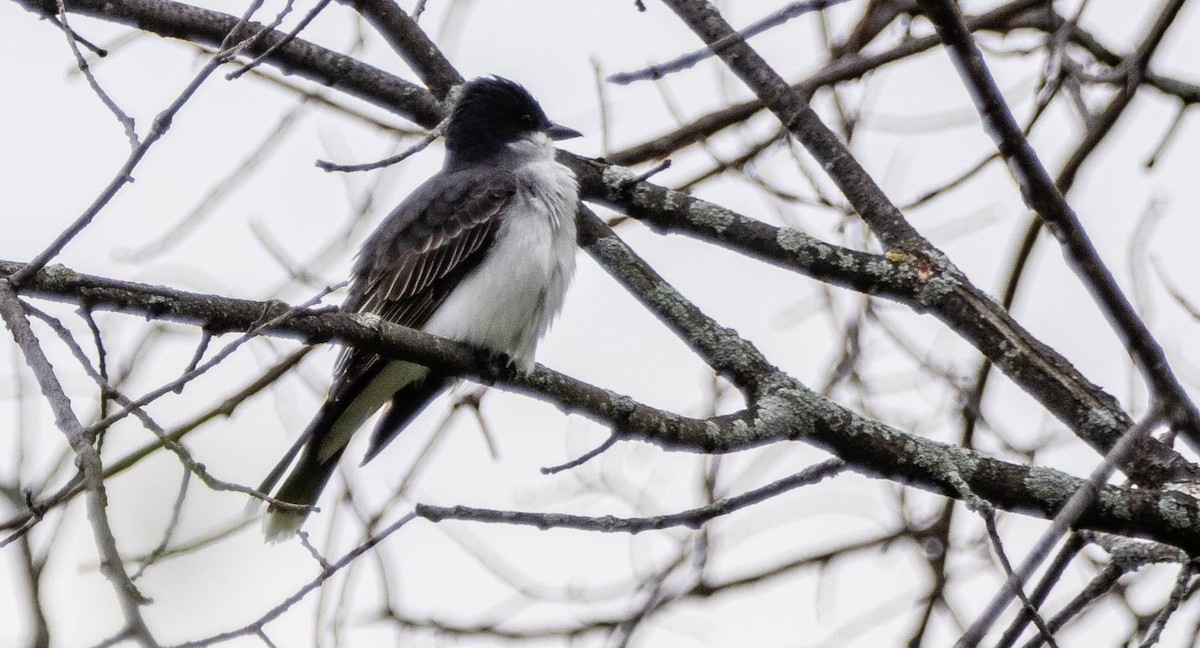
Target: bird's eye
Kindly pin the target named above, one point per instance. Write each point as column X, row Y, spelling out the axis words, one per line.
column 528, row 119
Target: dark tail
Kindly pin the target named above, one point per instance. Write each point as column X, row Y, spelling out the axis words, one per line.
column 405, row 405
column 307, row 479
column 323, row 447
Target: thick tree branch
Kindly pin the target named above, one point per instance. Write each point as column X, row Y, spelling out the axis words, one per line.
column 793, row 111
column 1097, row 131
column 1091, row 413
column 721, row 348
column 1043, row 196
column 1080, row 500
column 784, row 410
column 410, row 41
column 876, row 209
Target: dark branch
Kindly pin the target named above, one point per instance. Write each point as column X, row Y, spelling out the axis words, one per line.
column 1043, row 196
column 692, row 519
column 784, row 410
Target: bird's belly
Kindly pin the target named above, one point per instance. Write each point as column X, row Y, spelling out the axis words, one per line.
column 509, row 300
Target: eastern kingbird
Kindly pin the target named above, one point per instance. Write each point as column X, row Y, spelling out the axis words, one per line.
column 481, row 253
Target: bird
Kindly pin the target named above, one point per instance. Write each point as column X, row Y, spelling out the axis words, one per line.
column 481, row 253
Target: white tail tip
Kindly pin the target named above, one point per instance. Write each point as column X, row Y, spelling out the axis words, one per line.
column 280, row 526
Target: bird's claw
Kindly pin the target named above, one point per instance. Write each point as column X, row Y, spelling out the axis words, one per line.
column 496, row 366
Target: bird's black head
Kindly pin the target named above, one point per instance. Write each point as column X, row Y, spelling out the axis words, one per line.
column 493, row 112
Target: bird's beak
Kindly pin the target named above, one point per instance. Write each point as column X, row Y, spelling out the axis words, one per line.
column 560, row 132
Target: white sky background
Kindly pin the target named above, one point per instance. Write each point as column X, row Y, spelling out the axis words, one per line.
column 61, row 146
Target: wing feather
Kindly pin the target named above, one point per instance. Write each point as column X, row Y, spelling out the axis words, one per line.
column 421, row 253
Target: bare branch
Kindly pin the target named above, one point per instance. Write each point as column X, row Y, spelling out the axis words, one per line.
column 1043, row 196
column 1083, row 497
column 687, row 61
column 692, row 519
column 785, row 410
column 88, row 460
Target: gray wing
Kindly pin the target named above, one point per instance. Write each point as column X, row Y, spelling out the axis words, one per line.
column 421, row 252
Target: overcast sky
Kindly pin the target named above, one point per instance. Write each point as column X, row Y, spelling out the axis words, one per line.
column 61, row 146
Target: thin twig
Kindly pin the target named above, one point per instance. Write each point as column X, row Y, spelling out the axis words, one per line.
column 124, row 119
column 289, row 37
column 89, row 461
column 419, row 146
column 689, row 60
column 172, row 525
column 159, row 127
column 256, row 628
column 692, row 519
column 583, row 458
column 1178, row 593
column 1079, row 502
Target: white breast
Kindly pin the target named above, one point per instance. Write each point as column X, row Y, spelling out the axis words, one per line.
column 510, row 299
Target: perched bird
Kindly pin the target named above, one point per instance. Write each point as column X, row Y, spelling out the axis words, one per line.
column 481, row 253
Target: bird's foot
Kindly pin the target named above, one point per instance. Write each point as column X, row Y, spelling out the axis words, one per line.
column 496, row 366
